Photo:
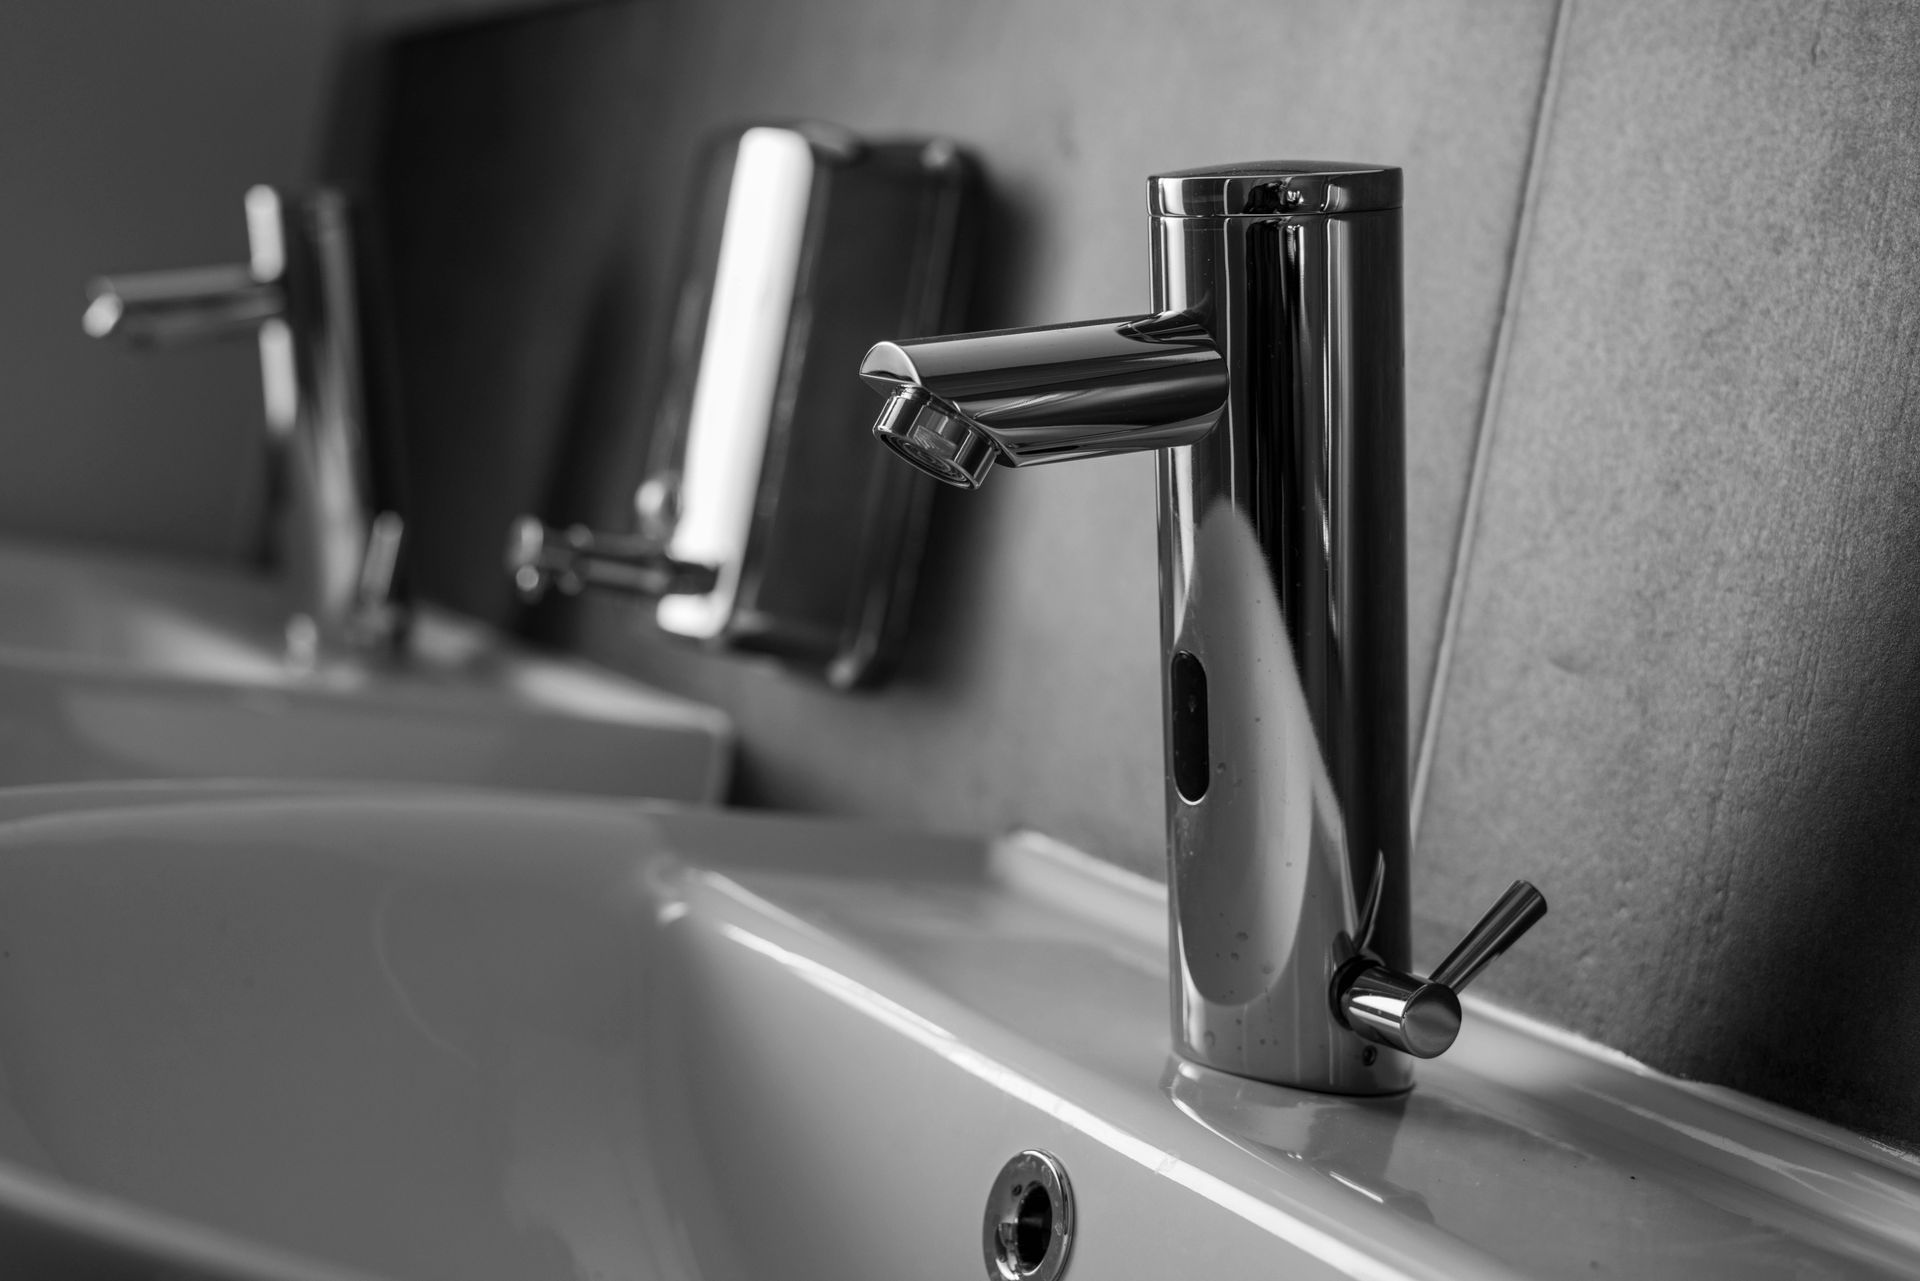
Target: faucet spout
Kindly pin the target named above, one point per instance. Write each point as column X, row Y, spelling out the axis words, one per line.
column 958, row 405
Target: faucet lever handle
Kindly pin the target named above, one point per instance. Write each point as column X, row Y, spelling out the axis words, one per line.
column 1498, row 930
column 1419, row 1016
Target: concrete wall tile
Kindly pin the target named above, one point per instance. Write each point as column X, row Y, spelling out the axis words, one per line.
column 1686, row 695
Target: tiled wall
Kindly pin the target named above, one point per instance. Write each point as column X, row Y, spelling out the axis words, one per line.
column 1686, row 687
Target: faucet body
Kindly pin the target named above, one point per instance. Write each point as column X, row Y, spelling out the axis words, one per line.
column 336, row 492
column 1268, row 376
column 1283, row 588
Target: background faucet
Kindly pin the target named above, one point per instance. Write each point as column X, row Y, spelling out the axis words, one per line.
column 300, row 293
column 1268, row 376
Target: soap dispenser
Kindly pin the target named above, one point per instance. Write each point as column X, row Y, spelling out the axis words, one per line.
column 766, row 522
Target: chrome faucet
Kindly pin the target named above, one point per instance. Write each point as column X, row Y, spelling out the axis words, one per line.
column 300, row 294
column 1268, row 377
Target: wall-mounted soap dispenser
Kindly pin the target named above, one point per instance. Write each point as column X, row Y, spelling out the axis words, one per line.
column 767, row 523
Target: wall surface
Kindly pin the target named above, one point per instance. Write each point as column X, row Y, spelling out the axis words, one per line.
column 1686, row 692
column 1032, row 693
column 130, row 132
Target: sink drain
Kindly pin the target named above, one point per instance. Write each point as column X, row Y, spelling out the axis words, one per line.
column 1029, row 1224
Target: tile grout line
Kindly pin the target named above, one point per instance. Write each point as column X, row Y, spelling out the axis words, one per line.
column 1489, row 412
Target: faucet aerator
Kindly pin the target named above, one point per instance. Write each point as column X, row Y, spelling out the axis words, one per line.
column 940, row 443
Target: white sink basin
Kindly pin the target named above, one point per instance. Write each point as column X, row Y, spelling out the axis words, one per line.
column 119, row 668
column 457, row 1036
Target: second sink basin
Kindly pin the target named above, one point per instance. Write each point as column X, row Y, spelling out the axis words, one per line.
column 115, row 667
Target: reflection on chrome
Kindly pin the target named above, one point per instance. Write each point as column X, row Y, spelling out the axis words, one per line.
column 300, row 294
column 1267, row 375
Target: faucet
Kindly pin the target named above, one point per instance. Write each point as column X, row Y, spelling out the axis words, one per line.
column 300, row 295
column 1267, row 377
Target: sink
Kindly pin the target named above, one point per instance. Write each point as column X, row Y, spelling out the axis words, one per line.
column 114, row 667
column 254, row 1033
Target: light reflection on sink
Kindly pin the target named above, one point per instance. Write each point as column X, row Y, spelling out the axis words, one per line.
column 438, row 1036
column 123, row 668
